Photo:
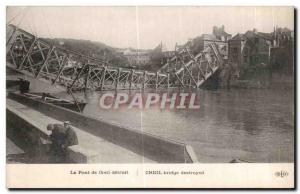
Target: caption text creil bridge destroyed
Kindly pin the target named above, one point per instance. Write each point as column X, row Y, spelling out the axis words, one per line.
column 149, row 100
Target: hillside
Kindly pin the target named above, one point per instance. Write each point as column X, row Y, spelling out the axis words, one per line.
column 90, row 48
column 102, row 51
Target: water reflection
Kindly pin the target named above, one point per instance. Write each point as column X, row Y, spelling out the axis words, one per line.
column 253, row 125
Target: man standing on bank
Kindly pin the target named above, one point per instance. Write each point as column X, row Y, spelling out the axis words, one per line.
column 62, row 136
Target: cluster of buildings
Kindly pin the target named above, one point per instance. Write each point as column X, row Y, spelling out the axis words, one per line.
column 255, row 47
column 242, row 50
column 251, row 48
column 135, row 57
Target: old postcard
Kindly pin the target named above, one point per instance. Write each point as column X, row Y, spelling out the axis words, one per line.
column 150, row 97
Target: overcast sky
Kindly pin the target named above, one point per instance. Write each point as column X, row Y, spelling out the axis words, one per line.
column 145, row 27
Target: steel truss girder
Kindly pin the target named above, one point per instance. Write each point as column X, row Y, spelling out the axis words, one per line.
column 192, row 71
column 79, row 72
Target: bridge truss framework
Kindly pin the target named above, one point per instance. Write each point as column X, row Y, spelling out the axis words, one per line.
column 75, row 71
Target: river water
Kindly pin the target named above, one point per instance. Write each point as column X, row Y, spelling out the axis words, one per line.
column 256, row 125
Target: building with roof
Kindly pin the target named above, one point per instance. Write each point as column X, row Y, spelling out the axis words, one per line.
column 251, row 48
column 220, row 34
column 218, row 37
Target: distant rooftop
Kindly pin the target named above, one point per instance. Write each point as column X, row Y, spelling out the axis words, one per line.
column 210, row 37
column 251, row 34
column 238, row 36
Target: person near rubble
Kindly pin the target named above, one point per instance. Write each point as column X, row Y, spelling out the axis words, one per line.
column 62, row 136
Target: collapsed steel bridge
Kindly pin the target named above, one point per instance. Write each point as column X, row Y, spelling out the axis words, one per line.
column 35, row 57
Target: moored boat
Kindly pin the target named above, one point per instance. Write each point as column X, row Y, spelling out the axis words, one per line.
column 46, row 97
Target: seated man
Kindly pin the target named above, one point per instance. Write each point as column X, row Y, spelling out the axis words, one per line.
column 61, row 137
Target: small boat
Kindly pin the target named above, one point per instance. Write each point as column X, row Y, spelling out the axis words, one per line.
column 46, row 97
column 23, row 85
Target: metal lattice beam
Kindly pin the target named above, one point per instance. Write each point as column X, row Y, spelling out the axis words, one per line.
column 76, row 71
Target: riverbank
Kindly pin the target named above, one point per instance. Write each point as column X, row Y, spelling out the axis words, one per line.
column 250, row 124
column 257, row 77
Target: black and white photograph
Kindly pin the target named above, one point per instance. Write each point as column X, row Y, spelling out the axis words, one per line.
column 150, row 85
